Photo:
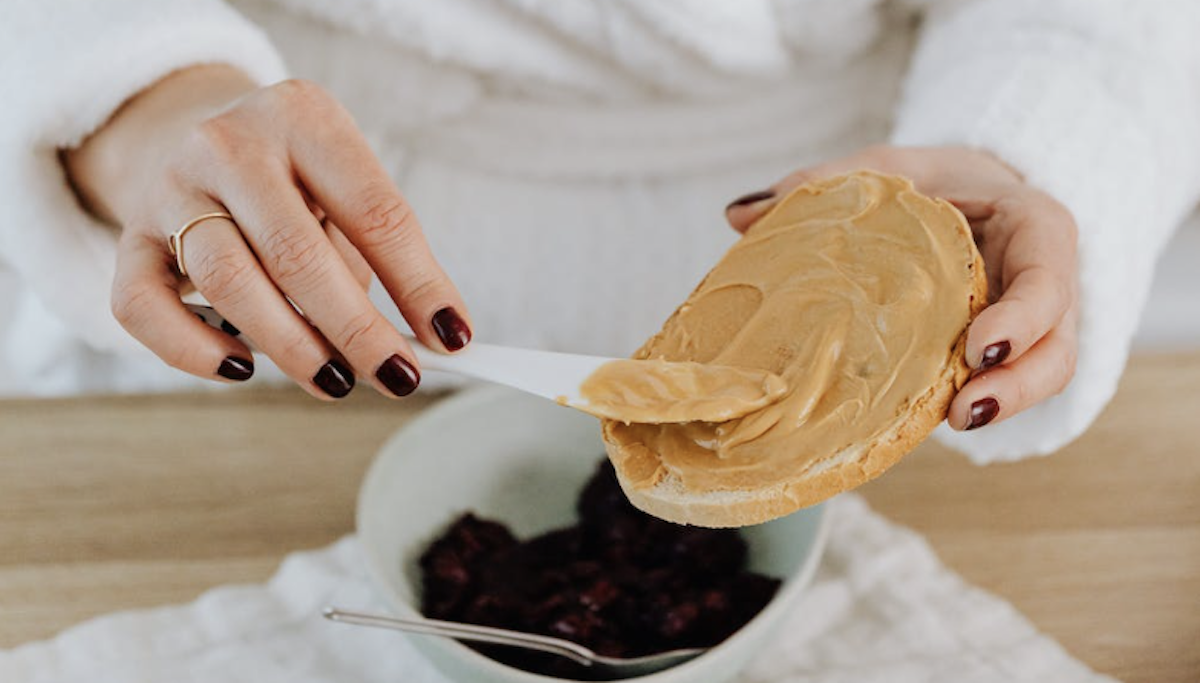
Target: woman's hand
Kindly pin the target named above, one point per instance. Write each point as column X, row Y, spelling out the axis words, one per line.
column 314, row 216
column 1023, row 346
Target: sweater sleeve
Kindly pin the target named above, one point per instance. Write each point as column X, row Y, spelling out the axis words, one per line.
column 65, row 67
column 1096, row 103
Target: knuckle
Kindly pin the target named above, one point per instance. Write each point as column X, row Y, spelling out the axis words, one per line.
column 1067, row 220
column 291, row 349
column 1023, row 394
column 223, row 277
column 180, row 177
column 386, row 222
column 1064, row 294
column 1064, row 372
column 228, row 144
column 876, row 151
column 131, row 304
column 299, row 91
column 1061, row 216
column 293, row 257
column 800, row 178
column 217, row 138
column 1036, row 209
column 358, row 331
column 422, row 286
column 1018, row 210
column 1058, row 291
column 881, row 157
column 1053, row 289
column 183, row 357
column 302, row 102
column 1055, row 214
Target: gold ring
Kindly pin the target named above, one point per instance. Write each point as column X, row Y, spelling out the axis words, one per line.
column 175, row 239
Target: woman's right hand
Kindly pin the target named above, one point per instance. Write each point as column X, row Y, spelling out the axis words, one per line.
column 314, row 216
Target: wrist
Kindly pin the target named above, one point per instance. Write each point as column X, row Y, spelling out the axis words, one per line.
column 113, row 166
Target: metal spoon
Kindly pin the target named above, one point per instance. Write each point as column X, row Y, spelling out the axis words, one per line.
column 615, row 666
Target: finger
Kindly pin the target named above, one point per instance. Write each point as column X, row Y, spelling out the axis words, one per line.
column 935, row 171
column 225, row 271
column 1037, row 280
column 354, row 260
column 1032, row 305
column 145, row 300
column 939, row 171
column 744, row 211
column 339, row 169
column 359, row 268
column 997, row 394
column 301, row 260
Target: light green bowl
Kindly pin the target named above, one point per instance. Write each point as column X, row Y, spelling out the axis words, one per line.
column 522, row 460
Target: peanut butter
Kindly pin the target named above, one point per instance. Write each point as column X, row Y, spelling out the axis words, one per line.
column 655, row 391
column 855, row 292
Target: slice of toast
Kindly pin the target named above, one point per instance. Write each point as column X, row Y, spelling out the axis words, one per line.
column 858, row 290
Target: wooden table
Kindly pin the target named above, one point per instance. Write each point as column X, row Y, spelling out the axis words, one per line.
column 115, row 503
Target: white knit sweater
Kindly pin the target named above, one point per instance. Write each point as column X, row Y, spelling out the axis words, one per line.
column 570, row 160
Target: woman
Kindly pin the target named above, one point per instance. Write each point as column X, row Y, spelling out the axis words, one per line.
column 567, row 159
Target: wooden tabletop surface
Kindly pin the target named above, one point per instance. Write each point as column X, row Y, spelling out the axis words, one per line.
column 116, row 503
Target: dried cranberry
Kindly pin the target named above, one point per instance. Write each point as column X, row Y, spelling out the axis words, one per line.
column 620, row 582
column 715, row 600
column 599, row 595
column 450, row 569
column 678, row 620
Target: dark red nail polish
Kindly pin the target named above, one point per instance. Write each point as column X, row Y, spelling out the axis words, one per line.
column 451, row 329
column 983, row 411
column 236, row 369
column 751, row 198
column 398, row 375
column 334, row 379
column 995, row 355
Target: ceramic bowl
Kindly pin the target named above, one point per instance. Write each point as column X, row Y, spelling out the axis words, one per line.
column 522, row 460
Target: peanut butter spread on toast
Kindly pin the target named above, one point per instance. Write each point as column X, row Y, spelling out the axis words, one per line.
column 855, row 290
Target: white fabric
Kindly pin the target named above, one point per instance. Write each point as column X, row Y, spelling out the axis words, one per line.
column 882, row 609
column 70, row 65
column 1098, row 104
column 570, row 160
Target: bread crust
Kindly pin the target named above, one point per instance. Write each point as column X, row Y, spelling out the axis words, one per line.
column 668, row 500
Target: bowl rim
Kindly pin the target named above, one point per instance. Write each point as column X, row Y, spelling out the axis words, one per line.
column 470, row 398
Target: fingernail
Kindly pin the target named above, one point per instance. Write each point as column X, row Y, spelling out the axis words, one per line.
column 229, row 328
column 451, row 329
column 398, row 375
column 983, row 411
column 751, row 198
column 236, row 369
column 995, row 355
column 334, row 379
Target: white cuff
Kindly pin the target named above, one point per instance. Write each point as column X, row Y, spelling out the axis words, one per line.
column 67, row 66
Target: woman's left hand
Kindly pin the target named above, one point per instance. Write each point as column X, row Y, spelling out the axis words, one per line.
column 1022, row 347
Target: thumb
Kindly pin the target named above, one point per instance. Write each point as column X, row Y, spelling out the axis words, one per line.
column 743, row 211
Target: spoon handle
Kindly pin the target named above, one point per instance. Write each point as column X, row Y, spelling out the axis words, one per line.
column 543, row 373
column 483, row 634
